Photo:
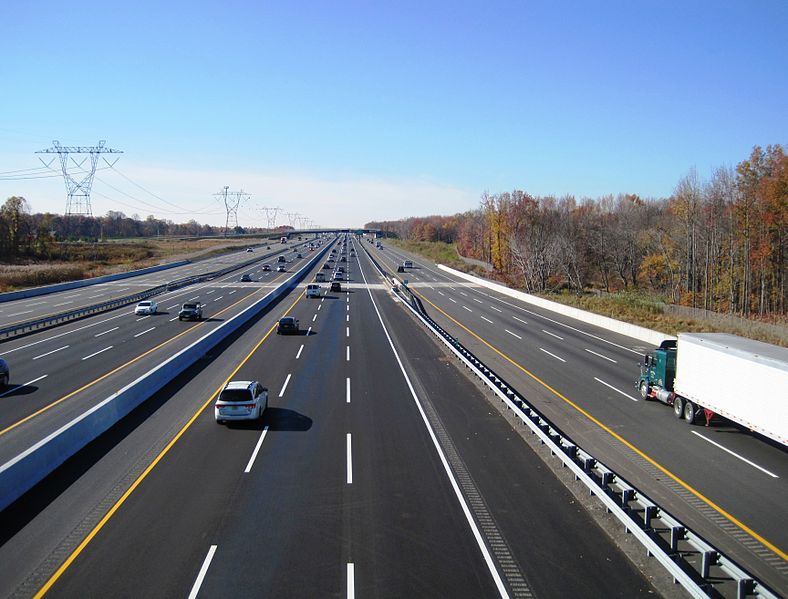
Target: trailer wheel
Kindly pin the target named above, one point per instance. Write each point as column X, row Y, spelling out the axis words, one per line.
column 678, row 407
column 644, row 390
column 689, row 412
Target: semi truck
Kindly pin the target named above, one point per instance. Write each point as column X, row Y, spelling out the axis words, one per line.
column 743, row 380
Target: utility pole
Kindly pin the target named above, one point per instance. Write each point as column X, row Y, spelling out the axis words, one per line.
column 270, row 216
column 78, row 189
column 293, row 218
column 232, row 200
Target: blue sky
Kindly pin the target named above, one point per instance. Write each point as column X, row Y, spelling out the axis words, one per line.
column 353, row 111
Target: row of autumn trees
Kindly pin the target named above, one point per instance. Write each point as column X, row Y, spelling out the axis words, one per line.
column 26, row 235
column 719, row 244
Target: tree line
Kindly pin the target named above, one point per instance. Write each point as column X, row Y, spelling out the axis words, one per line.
column 26, row 235
column 718, row 244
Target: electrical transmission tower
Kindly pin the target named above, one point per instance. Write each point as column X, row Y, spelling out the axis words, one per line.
column 232, row 200
column 293, row 218
column 78, row 189
column 270, row 216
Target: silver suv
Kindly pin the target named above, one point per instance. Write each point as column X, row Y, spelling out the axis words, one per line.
column 241, row 400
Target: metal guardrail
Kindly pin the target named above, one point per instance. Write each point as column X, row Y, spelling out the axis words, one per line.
column 52, row 320
column 700, row 568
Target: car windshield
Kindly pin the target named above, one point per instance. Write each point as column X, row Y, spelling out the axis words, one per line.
column 189, row 306
column 287, row 320
column 235, row 395
column 144, row 304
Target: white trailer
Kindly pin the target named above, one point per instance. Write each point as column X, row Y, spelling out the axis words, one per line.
column 743, row 380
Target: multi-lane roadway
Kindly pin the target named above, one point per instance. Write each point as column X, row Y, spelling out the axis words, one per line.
column 378, row 469
column 726, row 484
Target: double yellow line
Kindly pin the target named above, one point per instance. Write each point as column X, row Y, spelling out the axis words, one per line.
column 96, row 529
column 618, row 437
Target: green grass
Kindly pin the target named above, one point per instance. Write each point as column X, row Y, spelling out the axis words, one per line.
column 437, row 251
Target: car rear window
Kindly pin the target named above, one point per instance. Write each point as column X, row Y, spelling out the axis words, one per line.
column 189, row 306
column 235, row 395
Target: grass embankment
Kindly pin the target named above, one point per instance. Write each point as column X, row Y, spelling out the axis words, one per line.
column 70, row 261
column 437, row 251
column 635, row 308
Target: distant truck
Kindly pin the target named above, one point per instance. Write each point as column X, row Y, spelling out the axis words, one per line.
column 740, row 379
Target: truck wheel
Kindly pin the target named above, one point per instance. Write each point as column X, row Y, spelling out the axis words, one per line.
column 678, row 407
column 689, row 412
column 644, row 390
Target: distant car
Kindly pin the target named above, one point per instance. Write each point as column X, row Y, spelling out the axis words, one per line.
column 400, row 268
column 241, row 400
column 249, row 250
column 146, row 307
column 281, row 268
column 326, row 266
column 190, row 311
column 268, row 247
column 336, row 286
column 408, row 264
column 341, row 269
column 287, row 326
column 299, row 255
column 313, row 290
column 343, row 259
column 266, row 267
column 246, row 279
column 320, row 277
column 281, row 259
column 338, row 276
column 5, row 373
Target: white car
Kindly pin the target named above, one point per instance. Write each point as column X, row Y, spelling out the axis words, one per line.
column 241, row 400
column 313, row 290
column 146, row 307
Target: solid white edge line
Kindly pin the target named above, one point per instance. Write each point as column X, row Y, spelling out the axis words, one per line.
column 351, row 580
column 549, row 354
column 616, row 390
column 203, row 571
column 12, row 389
column 458, row 493
column 101, row 351
column 300, row 349
column 349, row 460
column 257, row 447
column 736, row 455
column 287, row 380
column 347, row 390
column 591, row 351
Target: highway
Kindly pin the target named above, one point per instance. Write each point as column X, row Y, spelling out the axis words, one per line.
column 58, row 373
column 726, row 484
column 377, row 470
column 27, row 309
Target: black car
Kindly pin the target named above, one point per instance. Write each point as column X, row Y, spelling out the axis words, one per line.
column 343, row 259
column 287, row 326
column 400, row 268
column 335, row 286
column 190, row 311
column 246, row 279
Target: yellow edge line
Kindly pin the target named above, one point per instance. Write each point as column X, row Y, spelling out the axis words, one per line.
column 639, row 452
column 74, row 554
column 119, row 368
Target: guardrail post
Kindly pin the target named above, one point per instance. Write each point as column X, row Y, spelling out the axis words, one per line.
column 709, row 559
column 744, row 587
column 651, row 512
column 677, row 533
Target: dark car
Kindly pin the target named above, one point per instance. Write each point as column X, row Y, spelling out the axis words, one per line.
column 246, row 279
column 266, row 267
column 5, row 373
column 343, row 259
column 190, row 311
column 287, row 326
column 400, row 268
column 335, row 286
column 281, row 259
